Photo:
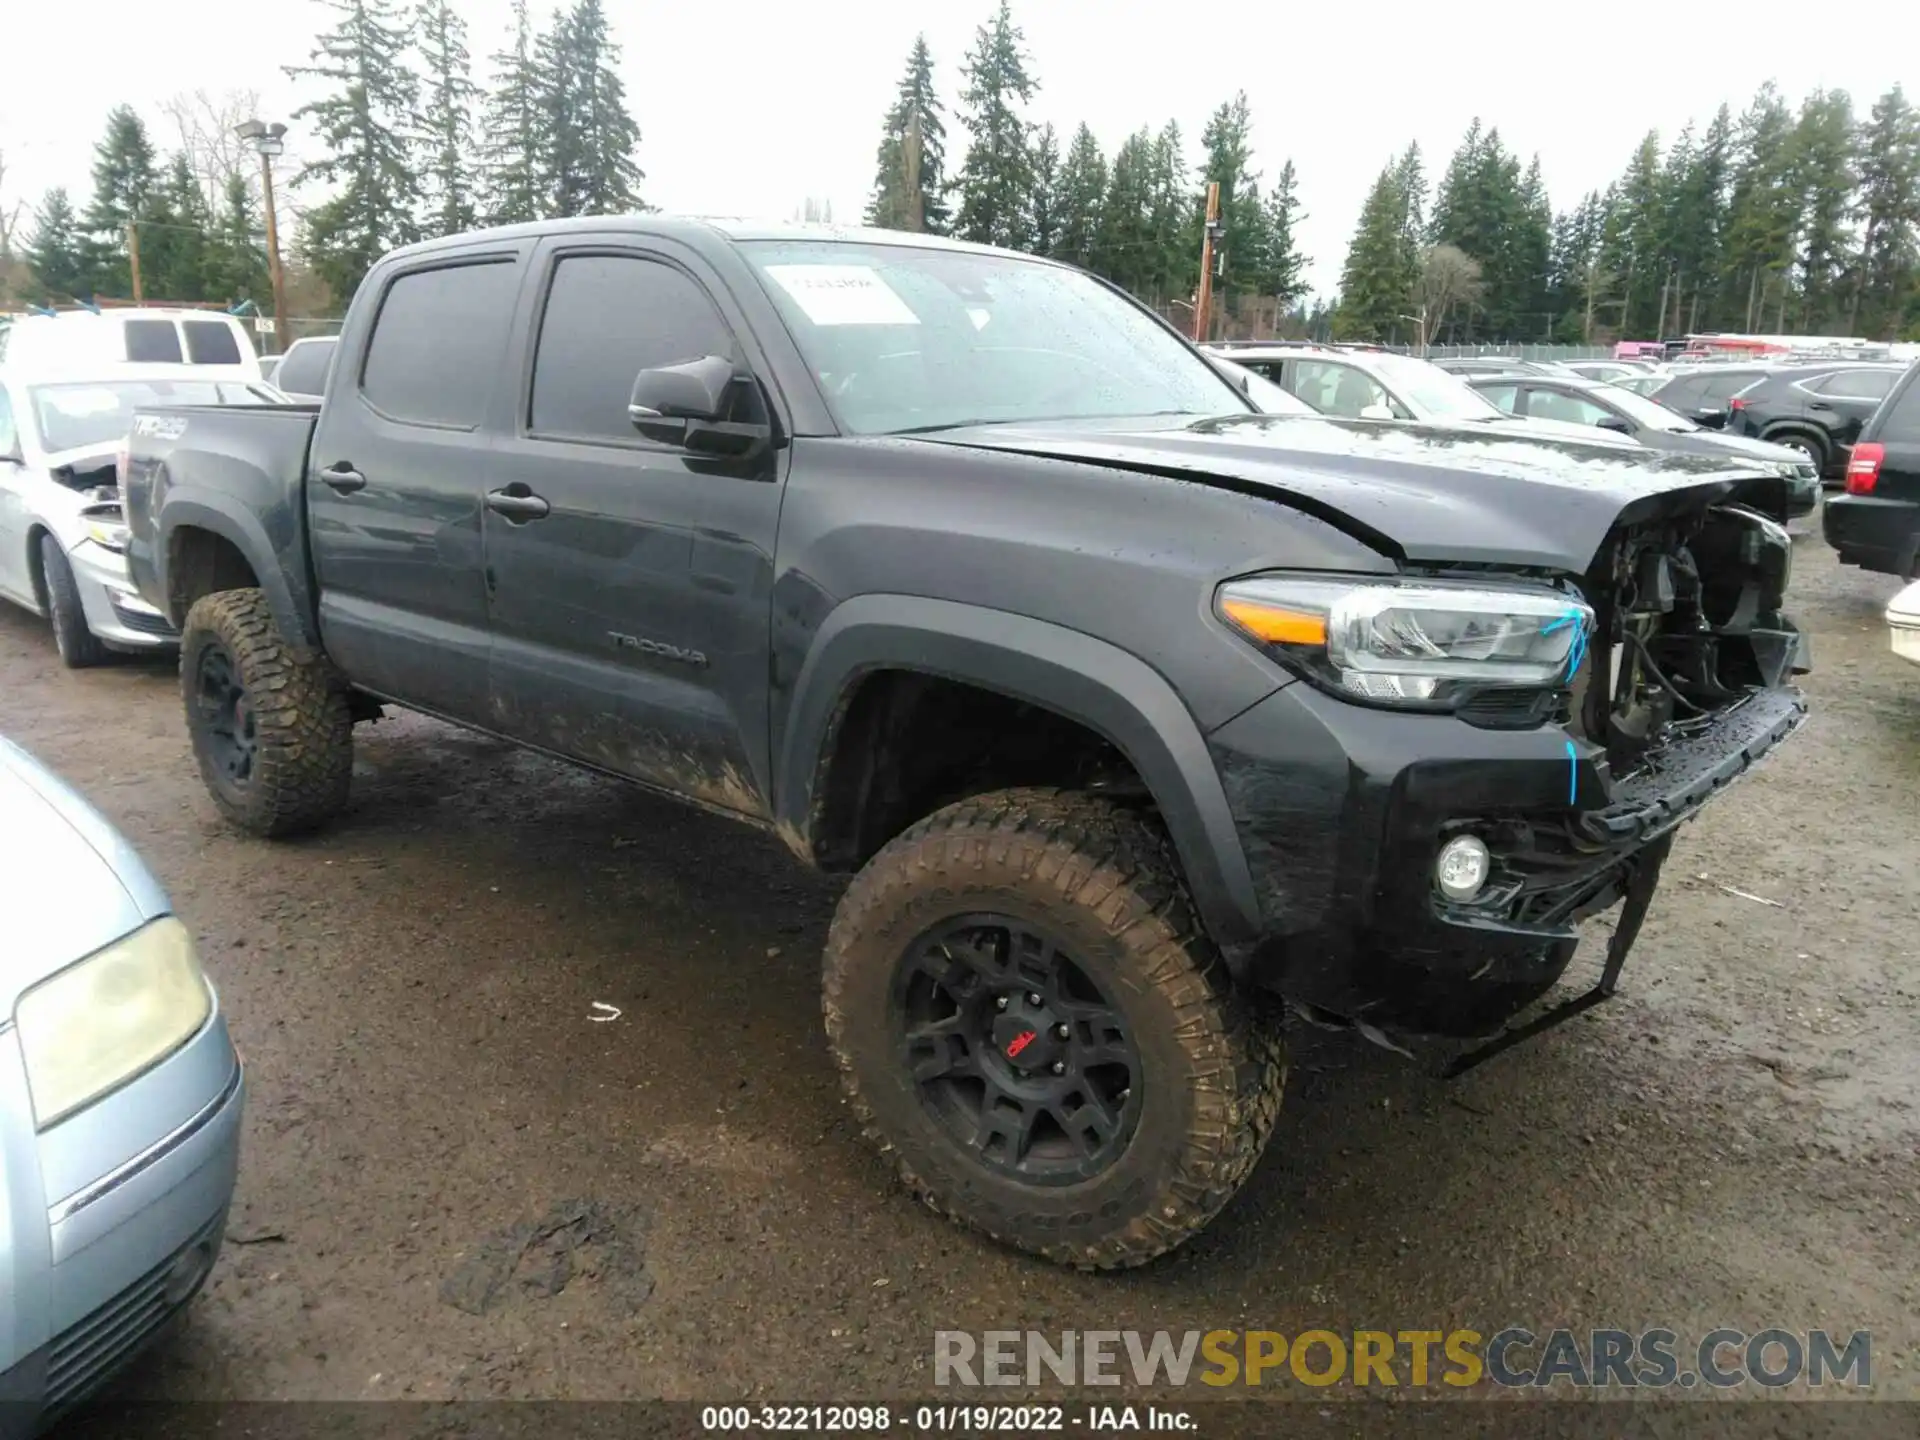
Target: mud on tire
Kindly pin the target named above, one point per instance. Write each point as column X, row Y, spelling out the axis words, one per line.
column 1103, row 883
column 270, row 730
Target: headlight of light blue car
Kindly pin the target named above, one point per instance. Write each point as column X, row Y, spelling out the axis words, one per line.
column 96, row 1025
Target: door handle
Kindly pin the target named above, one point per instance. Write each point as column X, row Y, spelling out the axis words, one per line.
column 343, row 479
column 517, row 503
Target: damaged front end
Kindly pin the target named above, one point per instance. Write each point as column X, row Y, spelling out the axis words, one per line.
column 1566, row 795
column 1684, row 687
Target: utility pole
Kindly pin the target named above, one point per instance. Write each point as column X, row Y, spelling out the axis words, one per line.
column 1203, row 301
column 910, row 173
column 269, row 141
column 133, row 259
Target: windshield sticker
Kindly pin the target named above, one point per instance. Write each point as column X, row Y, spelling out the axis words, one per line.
column 842, row 295
column 159, row 427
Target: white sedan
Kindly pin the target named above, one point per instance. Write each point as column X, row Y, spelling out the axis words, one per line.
column 62, row 543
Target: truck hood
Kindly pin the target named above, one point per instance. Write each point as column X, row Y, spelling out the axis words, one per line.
column 1423, row 493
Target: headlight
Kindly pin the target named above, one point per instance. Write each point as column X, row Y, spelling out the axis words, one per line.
column 1420, row 645
column 96, row 1025
column 109, row 533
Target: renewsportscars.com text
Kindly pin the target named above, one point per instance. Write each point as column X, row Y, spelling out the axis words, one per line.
column 1513, row 1357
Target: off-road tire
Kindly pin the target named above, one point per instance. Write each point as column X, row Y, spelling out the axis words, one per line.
column 303, row 763
column 80, row 648
column 1106, row 881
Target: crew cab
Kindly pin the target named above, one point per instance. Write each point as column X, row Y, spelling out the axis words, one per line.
column 1126, row 705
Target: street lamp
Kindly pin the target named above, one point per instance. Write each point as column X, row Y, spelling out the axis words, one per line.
column 269, row 141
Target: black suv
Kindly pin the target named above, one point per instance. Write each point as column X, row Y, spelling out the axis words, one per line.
column 1815, row 409
column 1876, row 524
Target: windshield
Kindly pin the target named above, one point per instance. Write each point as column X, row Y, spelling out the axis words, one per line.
column 903, row 339
column 1642, row 411
column 1431, row 392
column 72, row 416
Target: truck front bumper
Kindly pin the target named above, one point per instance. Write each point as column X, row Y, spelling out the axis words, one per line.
column 1343, row 809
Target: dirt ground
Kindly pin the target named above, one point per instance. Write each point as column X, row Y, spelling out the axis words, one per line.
column 1731, row 1142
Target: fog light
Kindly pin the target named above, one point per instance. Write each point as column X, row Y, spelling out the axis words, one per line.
column 1461, row 871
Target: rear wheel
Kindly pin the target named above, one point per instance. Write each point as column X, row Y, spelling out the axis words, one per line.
column 270, row 730
column 1029, row 1021
column 79, row 647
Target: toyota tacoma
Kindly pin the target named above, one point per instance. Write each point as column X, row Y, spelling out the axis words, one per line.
column 1126, row 705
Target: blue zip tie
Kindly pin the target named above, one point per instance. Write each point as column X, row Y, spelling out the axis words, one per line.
column 1578, row 650
column 1573, row 774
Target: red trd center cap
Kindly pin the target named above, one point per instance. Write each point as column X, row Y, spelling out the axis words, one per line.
column 1023, row 1035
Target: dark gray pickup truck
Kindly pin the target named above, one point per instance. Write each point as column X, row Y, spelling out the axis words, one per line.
column 1125, row 704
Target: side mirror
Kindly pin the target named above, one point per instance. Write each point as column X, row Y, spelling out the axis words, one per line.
column 1614, row 423
column 688, row 405
column 1376, row 411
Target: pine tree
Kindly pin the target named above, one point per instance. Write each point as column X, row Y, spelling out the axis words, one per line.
column 1123, row 248
column 1078, row 193
column 910, row 172
column 587, row 156
column 1576, row 284
column 1693, row 186
column 1045, row 229
column 446, row 120
column 56, row 250
column 1889, row 212
column 364, row 124
column 1630, row 247
column 174, row 240
column 1283, row 274
column 1823, row 167
column 1528, row 261
column 996, row 179
column 1173, row 246
column 1763, row 213
column 124, row 182
column 1376, row 284
column 510, row 145
column 237, row 264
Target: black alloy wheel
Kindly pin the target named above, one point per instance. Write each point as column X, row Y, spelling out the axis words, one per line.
column 230, row 726
column 1015, row 1051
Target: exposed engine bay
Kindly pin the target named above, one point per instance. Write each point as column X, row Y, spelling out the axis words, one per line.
column 97, row 481
column 1687, row 623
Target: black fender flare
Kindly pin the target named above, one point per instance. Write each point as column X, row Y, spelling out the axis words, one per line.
column 1080, row 677
column 247, row 535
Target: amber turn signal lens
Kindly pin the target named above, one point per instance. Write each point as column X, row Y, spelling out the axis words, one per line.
column 1273, row 625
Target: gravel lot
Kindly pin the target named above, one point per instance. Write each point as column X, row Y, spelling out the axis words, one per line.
column 1732, row 1142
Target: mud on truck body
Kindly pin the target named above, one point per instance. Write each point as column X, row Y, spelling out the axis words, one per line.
column 1126, row 707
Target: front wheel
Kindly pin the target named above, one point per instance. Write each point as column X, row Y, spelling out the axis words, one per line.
column 79, row 647
column 270, row 729
column 1029, row 1021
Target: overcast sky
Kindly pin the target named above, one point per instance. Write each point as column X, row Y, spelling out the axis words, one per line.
column 754, row 110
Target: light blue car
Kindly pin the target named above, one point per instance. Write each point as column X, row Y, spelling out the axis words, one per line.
column 120, row 1098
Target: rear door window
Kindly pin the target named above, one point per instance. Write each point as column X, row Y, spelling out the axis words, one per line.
column 1504, row 396
column 211, row 342
column 1857, row 384
column 439, row 338
column 152, row 342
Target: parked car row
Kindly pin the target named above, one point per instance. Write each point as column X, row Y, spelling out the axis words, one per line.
column 1550, row 403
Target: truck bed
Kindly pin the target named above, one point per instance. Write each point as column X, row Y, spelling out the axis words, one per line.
column 253, row 459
